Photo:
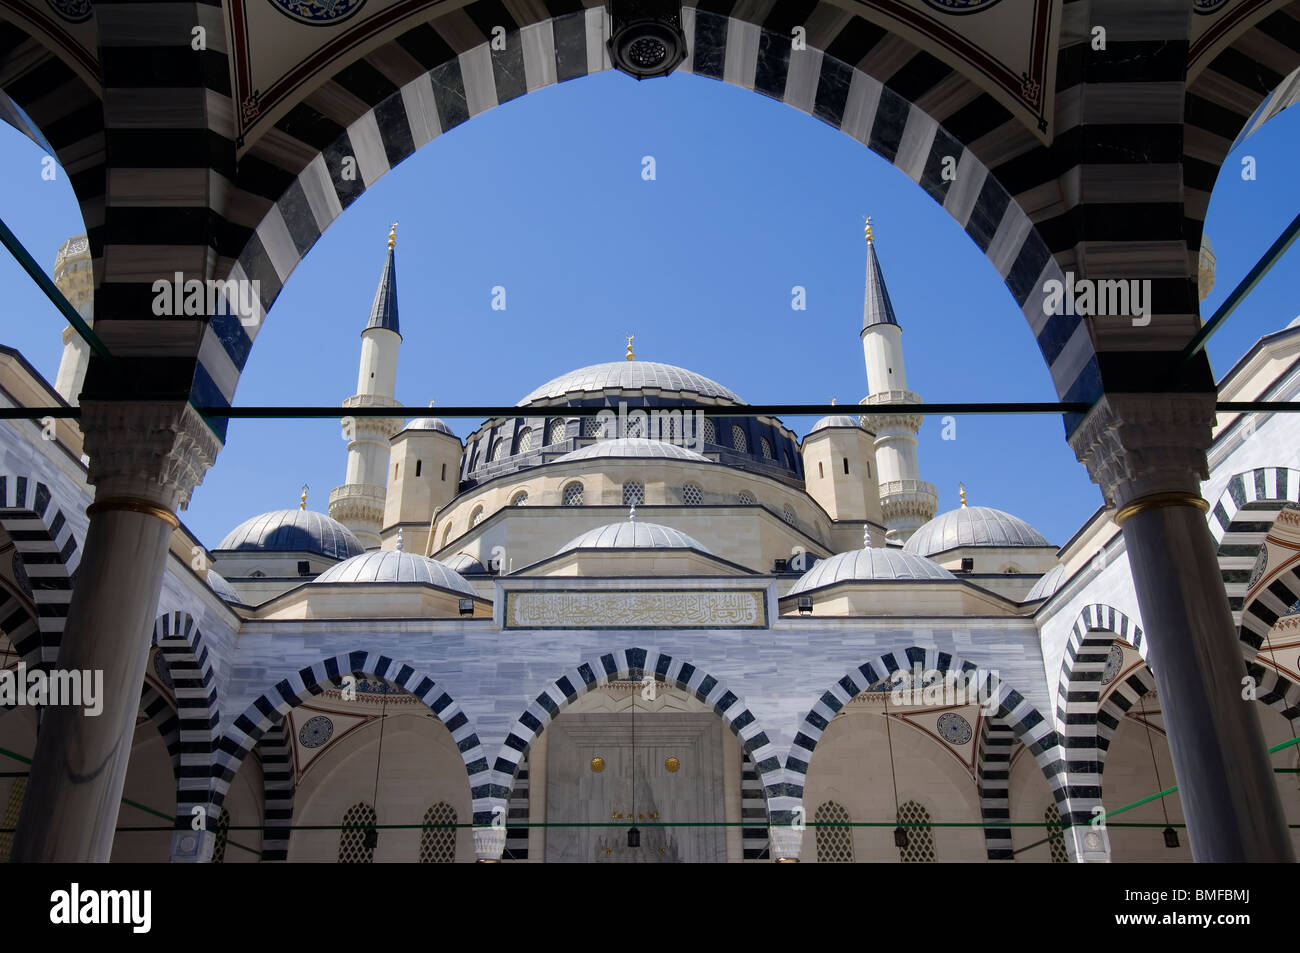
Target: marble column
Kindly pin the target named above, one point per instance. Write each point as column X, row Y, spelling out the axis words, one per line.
column 145, row 459
column 1147, row 452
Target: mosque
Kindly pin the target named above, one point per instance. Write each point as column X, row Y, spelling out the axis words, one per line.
column 668, row 631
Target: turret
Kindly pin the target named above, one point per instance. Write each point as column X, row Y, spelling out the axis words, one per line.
column 906, row 501
column 424, row 473
column 839, row 473
column 359, row 503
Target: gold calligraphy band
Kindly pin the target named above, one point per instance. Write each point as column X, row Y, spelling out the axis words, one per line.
column 134, row 504
column 1158, row 500
column 787, row 860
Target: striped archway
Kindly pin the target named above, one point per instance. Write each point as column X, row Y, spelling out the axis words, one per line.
column 44, row 540
column 634, row 663
column 267, row 712
column 1015, row 719
column 275, row 749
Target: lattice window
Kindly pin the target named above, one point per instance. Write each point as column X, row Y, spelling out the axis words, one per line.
column 1055, row 835
column 765, row 447
column 834, row 844
column 555, row 432
column 633, row 493
column 709, row 431
column 573, row 494
column 476, row 517
column 13, row 806
column 593, row 427
column 519, row 499
column 221, row 837
column 352, row 849
column 634, row 428
column 747, row 498
column 787, row 514
column 692, row 495
column 525, row 441
column 438, row 838
column 738, row 440
column 498, row 450
column 920, row 838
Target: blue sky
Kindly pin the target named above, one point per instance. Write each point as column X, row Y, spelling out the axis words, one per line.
column 544, row 197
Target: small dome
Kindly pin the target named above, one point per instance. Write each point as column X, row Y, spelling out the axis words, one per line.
column 633, row 447
column 836, row 420
column 632, row 535
column 293, row 531
column 1047, row 584
column 973, row 526
column 391, row 565
column 465, row 564
column 430, row 423
column 218, row 584
column 864, row 565
column 630, row 375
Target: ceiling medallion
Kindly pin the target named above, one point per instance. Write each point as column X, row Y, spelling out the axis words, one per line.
column 74, row 11
column 672, row 764
column 598, row 764
column 961, row 6
column 1206, row 7
column 316, row 12
column 954, row 729
column 316, row 731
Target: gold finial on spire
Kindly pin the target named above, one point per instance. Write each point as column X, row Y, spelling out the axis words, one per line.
column 630, row 355
column 430, row 403
column 392, row 236
column 302, row 500
column 961, row 488
column 832, row 401
column 868, row 230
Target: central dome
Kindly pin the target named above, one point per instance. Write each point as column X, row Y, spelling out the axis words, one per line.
column 629, row 376
column 633, row 447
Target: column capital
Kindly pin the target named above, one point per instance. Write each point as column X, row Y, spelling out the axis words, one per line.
column 147, row 450
column 1137, row 445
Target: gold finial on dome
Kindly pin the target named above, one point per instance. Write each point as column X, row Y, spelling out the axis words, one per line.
column 630, row 355
column 832, row 401
column 868, row 230
column 302, row 500
column 961, row 488
column 392, row 235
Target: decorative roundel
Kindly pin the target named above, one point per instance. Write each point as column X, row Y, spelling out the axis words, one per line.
column 953, row 728
column 1294, row 610
column 74, row 11
column 315, row 731
column 1206, row 7
column 162, row 670
column 318, row 12
column 1261, row 564
column 961, row 6
column 1113, row 663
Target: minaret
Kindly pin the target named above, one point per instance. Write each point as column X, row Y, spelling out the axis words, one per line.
column 359, row 503
column 906, row 501
column 74, row 275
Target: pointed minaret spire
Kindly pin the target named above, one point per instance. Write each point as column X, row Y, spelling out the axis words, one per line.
column 876, row 306
column 383, row 313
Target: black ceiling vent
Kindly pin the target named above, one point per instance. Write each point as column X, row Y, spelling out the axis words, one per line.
column 646, row 37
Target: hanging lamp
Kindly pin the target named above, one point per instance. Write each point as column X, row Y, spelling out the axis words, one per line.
column 370, row 839
column 1170, row 832
column 900, row 832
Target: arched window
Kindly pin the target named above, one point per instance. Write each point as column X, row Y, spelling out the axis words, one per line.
column 1055, row 835
column 787, row 514
column 821, row 474
column 709, row 431
column 834, row 843
column 519, row 499
column 438, row 837
column 257, row 574
column 633, row 493
column 352, row 848
column 221, row 837
column 573, row 494
column 765, row 447
column 498, row 450
column 524, row 443
column 476, row 517
column 419, row 465
column 692, row 495
column 446, row 533
column 555, row 432
column 738, row 440
column 920, row 836
column 746, row 498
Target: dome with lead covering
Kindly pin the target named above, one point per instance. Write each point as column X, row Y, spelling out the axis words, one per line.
column 1047, row 584
column 293, row 531
column 869, row 565
column 632, row 535
column 629, row 376
column 835, row 420
column 390, row 565
column 217, row 583
column 429, row 423
column 633, row 447
column 973, row 526
column 465, row 564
